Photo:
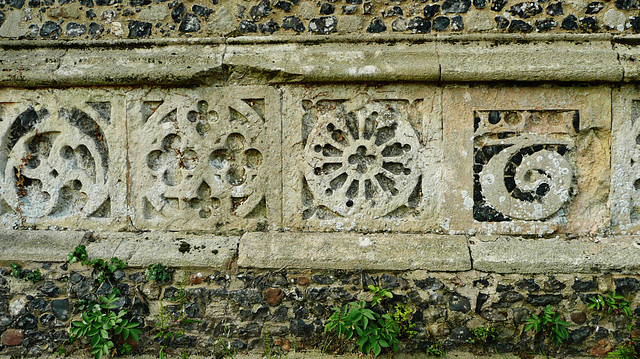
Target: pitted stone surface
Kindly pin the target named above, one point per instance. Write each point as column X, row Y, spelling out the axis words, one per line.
column 554, row 255
column 61, row 158
column 206, row 159
column 370, row 161
column 625, row 176
column 171, row 249
column 354, row 251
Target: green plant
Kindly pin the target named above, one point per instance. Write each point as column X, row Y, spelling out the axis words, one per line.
column 483, row 335
column 550, row 323
column 33, row 276
column 103, row 269
column 372, row 330
column 611, row 303
column 435, row 350
column 101, row 324
column 625, row 351
column 402, row 316
column 79, row 254
column 379, row 294
column 166, row 321
column 158, row 273
column 17, row 272
column 223, row 349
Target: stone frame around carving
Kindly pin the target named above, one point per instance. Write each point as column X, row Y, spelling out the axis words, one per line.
column 586, row 208
column 76, row 138
column 205, row 158
column 378, row 192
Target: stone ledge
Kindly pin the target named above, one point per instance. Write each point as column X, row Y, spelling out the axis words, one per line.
column 288, row 59
column 169, row 248
column 393, row 252
column 137, row 249
column 554, row 255
column 38, row 246
column 396, row 252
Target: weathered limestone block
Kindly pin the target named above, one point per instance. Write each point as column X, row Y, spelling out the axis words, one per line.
column 354, row 251
column 62, row 159
column 362, row 158
column 526, row 160
column 625, row 173
column 206, row 158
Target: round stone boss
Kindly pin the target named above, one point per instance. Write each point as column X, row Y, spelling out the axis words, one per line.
column 362, row 161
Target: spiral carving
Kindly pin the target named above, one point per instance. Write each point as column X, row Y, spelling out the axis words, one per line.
column 529, row 180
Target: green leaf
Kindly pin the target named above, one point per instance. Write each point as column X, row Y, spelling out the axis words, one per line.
column 104, row 334
column 135, row 334
column 95, row 340
column 377, row 349
column 361, row 341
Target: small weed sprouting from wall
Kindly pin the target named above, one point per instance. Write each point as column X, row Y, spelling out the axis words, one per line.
column 550, row 323
column 372, row 331
column 109, row 331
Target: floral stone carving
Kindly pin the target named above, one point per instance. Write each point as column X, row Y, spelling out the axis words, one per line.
column 366, row 158
column 55, row 158
column 363, row 160
column 206, row 156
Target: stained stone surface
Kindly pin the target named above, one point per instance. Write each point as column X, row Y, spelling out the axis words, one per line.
column 62, row 159
column 625, row 175
column 347, row 251
column 362, row 158
column 526, row 160
column 205, row 158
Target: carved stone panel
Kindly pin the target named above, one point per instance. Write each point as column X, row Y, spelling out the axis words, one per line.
column 207, row 158
column 61, row 156
column 526, row 160
column 362, row 158
column 625, row 161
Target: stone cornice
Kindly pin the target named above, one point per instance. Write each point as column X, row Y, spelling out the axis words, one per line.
column 511, row 58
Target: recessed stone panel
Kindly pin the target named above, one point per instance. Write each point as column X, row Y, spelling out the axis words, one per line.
column 61, row 156
column 205, row 159
column 362, row 158
column 526, row 160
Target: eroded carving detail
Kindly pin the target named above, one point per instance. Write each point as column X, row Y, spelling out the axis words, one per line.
column 55, row 160
column 518, row 172
column 361, row 160
column 204, row 156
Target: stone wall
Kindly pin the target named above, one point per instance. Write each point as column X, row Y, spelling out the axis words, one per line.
column 476, row 158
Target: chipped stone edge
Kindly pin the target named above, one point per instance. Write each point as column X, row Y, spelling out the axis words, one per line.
column 352, row 251
column 137, row 249
column 585, row 57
